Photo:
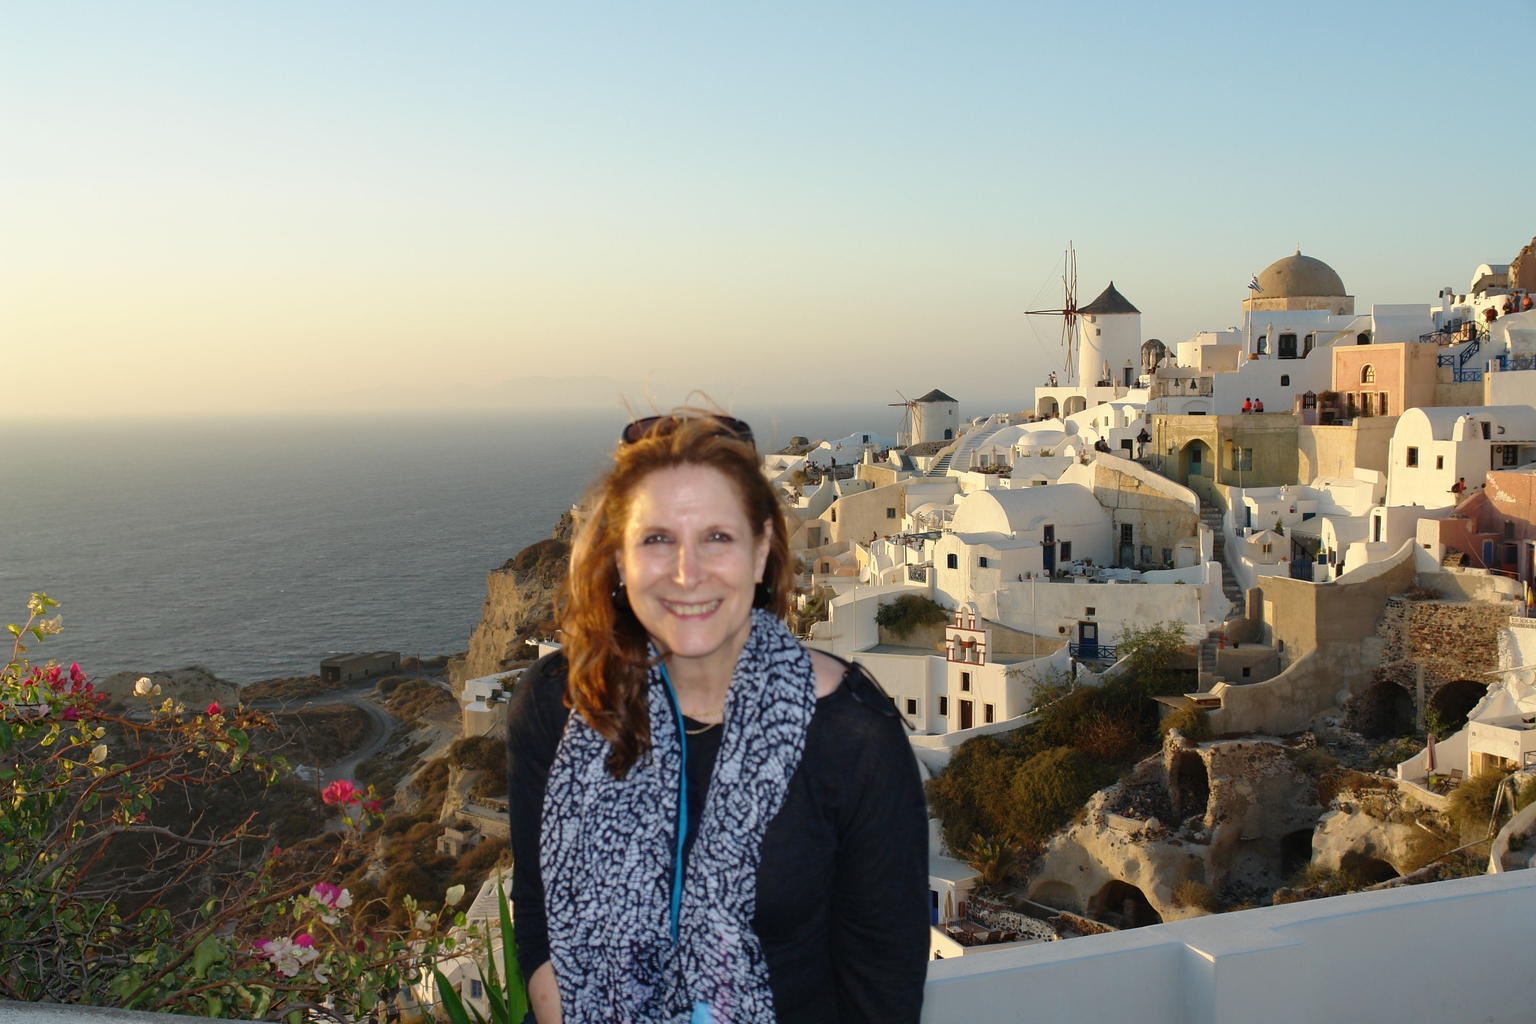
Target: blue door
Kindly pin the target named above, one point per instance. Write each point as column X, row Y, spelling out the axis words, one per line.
column 1087, row 639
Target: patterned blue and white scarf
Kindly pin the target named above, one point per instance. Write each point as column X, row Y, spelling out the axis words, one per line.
column 608, row 846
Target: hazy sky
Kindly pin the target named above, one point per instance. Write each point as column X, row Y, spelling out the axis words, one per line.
column 284, row 207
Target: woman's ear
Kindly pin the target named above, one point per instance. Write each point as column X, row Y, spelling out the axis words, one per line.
column 764, row 543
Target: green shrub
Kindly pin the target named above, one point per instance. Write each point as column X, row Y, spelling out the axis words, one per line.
column 908, row 612
column 1048, row 788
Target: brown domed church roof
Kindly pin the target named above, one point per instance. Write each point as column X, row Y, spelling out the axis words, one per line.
column 1297, row 276
column 1110, row 301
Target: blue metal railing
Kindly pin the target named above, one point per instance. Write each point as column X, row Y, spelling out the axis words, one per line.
column 1508, row 362
column 1092, row 652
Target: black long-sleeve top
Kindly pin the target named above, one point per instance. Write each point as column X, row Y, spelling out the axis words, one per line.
column 842, row 906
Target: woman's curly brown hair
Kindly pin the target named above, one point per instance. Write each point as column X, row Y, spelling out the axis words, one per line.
column 606, row 648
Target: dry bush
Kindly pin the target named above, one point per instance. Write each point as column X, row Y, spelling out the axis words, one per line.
column 1197, row 895
column 1108, row 739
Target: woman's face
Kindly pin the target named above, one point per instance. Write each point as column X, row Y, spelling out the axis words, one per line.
column 690, row 561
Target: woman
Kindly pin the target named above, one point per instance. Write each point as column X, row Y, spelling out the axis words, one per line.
column 709, row 822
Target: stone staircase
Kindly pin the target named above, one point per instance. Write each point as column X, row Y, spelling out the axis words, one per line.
column 941, row 468
column 1210, row 515
column 1208, row 649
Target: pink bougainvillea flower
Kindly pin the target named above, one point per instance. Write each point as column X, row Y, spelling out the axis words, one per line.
column 303, row 939
column 75, row 675
column 373, row 806
column 70, row 714
column 213, row 709
column 339, row 792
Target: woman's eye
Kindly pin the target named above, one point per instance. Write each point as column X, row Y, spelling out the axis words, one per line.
column 655, row 538
column 720, row 537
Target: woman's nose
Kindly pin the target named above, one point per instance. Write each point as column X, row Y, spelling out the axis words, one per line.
column 687, row 572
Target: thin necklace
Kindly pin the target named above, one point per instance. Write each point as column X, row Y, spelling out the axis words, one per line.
column 705, row 728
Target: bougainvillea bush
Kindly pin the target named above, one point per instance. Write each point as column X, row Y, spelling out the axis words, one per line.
column 114, row 893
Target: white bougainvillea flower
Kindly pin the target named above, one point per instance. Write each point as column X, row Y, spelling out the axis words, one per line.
column 144, row 687
column 98, row 754
column 453, row 895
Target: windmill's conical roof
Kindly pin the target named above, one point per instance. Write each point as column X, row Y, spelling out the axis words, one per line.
column 936, row 396
column 1110, row 301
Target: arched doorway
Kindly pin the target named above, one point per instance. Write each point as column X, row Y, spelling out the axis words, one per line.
column 1123, row 905
column 1076, row 403
column 1196, row 460
column 1191, row 785
column 1385, row 711
column 1361, row 871
column 1451, row 702
column 1047, row 407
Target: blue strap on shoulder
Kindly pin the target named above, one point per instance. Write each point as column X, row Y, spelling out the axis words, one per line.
column 701, row 1011
column 682, row 811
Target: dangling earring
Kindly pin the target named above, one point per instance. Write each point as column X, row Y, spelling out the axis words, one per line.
column 618, row 595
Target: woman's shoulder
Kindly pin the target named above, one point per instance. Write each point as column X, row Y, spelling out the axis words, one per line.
column 853, row 691
column 537, row 703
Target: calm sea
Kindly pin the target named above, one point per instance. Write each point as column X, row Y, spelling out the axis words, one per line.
column 257, row 547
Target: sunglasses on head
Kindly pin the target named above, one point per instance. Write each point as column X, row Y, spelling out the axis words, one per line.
column 653, row 426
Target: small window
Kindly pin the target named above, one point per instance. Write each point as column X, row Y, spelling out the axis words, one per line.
column 1486, row 434
column 890, row 513
column 943, row 707
column 475, row 989
column 1285, row 380
column 1413, row 456
column 1088, row 612
column 1269, row 549
column 1381, row 403
column 1439, row 461
column 1306, row 344
column 989, row 713
column 1510, row 455
column 1247, row 671
column 981, row 561
column 952, row 561
column 1368, row 374
column 965, row 682
column 1066, row 551
column 834, row 515
column 1127, row 535
column 912, row 706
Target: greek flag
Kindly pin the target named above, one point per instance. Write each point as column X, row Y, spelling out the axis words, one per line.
column 1253, row 285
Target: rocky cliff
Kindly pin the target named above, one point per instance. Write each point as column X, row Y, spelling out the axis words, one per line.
column 519, row 607
column 1522, row 269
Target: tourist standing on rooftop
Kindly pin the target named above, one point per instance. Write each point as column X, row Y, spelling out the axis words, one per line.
column 710, row 823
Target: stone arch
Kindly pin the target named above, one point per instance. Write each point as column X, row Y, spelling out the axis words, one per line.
column 1191, row 789
column 1452, row 701
column 1047, row 408
column 1363, row 871
column 1153, row 352
column 1295, row 851
column 1386, row 710
column 1197, row 459
column 1058, row 894
column 1075, row 403
column 1123, row 905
